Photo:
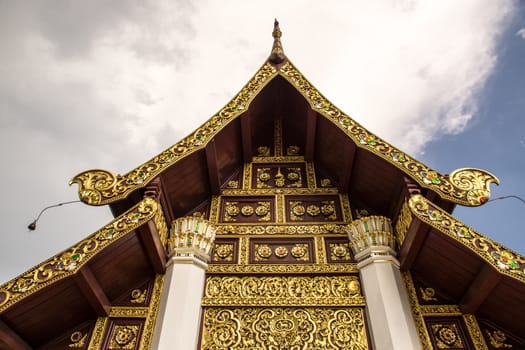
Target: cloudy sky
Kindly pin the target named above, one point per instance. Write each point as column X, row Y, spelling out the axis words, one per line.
column 109, row 84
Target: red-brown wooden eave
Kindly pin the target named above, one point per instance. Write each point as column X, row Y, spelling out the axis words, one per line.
column 92, row 291
column 10, row 340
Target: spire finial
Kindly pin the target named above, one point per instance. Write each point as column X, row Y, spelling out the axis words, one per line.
column 277, row 56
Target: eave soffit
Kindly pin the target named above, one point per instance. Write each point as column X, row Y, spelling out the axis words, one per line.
column 502, row 259
column 71, row 260
column 466, row 186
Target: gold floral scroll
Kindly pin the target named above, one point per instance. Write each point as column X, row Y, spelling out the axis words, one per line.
column 284, row 328
column 282, row 290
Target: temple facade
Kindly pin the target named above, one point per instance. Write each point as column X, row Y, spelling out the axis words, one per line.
column 280, row 223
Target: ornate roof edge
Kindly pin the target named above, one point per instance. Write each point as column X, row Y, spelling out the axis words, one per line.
column 100, row 187
column 502, row 259
column 466, row 186
column 68, row 262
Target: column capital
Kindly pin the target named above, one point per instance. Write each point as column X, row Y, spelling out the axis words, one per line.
column 372, row 238
column 191, row 239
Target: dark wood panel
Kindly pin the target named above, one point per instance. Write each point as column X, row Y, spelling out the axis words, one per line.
column 46, row 314
column 122, row 266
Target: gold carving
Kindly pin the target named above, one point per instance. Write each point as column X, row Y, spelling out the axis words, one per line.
column 214, row 209
column 447, row 336
column 78, row 340
column 247, row 177
column 147, row 334
column 138, row 296
column 233, row 184
column 310, row 175
column 279, row 178
column 297, row 210
column 292, row 150
column 223, row 252
column 285, row 291
column 131, row 312
column 340, row 251
column 475, row 332
column 279, row 210
column 124, row 337
column 468, row 187
column 281, row 252
column 263, row 211
column 421, row 328
column 99, row 187
column 263, row 151
column 247, row 210
column 440, row 310
column 231, row 210
column 427, row 294
column 505, row 261
column 300, row 251
column 320, row 250
column 244, row 251
column 284, row 328
column 403, row 223
column 70, row 261
column 281, row 190
column 497, row 339
column 263, row 176
column 263, row 252
column 308, row 229
column 326, row 182
column 97, row 336
column 282, row 268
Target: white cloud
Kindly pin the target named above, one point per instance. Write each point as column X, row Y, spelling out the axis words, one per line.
column 111, row 84
column 521, row 33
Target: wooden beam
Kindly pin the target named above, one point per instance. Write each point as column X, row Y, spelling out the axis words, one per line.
column 486, row 280
column 92, row 291
column 414, row 239
column 246, row 135
column 213, row 168
column 311, row 127
column 153, row 246
column 10, row 338
column 347, row 165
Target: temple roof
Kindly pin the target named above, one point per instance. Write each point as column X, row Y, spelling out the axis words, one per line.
column 278, row 91
column 474, row 271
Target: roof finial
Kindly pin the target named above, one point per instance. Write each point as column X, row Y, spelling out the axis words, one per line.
column 277, row 56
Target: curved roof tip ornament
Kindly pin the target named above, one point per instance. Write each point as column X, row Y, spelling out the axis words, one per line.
column 277, row 56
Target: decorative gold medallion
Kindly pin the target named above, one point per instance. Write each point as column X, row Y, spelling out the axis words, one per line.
column 298, row 251
column 313, row 210
column 232, row 209
column 327, row 208
column 247, row 210
column 298, row 210
column 292, row 150
column 264, row 251
column 281, row 252
column 264, row 176
column 292, row 176
column 339, row 251
column 261, row 210
column 223, row 251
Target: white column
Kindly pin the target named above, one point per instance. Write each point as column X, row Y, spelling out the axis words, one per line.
column 389, row 313
column 179, row 314
column 388, row 308
column 178, row 319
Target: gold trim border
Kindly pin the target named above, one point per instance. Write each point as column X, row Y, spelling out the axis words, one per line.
column 282, row 268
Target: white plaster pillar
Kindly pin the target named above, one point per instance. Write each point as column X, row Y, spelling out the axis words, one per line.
column 179, row 315
column 390, row 319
